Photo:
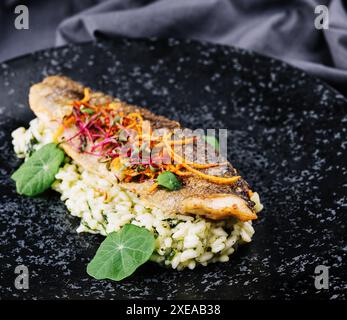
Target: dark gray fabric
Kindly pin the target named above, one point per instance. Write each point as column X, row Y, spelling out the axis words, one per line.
column 278, row 28
column 282, row 29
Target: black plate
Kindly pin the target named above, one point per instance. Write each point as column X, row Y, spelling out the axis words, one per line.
column 287, row 135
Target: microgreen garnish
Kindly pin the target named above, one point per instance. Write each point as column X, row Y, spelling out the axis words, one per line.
column 111, row 132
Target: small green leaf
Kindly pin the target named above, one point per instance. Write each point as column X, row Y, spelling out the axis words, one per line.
column 168, row 180
column 87, row 110
column 121, row 253
column 212, row 141
column 37, row 174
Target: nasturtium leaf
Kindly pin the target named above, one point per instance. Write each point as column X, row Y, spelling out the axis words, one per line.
column 169, row 181
column 121, row 253
column 212, row 140
column 37, row 174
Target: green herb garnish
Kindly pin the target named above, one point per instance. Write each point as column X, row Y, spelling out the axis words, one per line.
column 31, row 146
column 87, row 110
column 212, row 141
column 169, row 181
column 37, row 174
column 121, row 253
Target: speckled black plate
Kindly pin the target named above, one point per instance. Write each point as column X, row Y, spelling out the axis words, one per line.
column 287, row 135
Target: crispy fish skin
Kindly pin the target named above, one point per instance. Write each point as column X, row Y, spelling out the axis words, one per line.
column 50, row 101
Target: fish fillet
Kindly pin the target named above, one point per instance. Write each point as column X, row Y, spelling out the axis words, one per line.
column 51, row 99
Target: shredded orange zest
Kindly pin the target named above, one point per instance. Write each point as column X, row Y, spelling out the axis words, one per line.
column 182, row 174
column 215, row 179
column 135, row 115
column 116, row 163
column 180, row 160
column 184, row 141
column 86, row 97
column 58, row 133
column 67, row 122
column 153, row 187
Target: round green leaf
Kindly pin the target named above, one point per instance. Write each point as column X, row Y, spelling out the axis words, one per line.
column 121, row 253
column 38, row 173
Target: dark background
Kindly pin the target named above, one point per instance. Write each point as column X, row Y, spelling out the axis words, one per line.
column 294, row 126
column 287, row 135
column 281, row 29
